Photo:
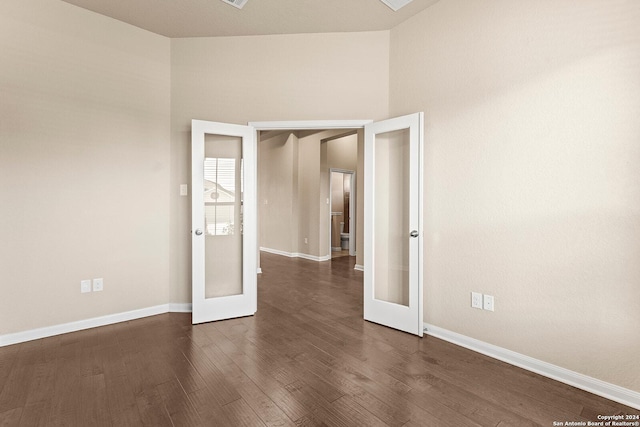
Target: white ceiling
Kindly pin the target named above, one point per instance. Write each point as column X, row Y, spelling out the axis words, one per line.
column 212, row 18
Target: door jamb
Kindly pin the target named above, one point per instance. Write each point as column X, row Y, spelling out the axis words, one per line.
column 309, row 124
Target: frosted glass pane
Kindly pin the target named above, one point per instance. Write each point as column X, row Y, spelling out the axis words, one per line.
column 391, row 217
column 223, row 215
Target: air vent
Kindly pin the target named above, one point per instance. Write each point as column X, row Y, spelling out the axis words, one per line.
column 236, row 3
column 395, row 4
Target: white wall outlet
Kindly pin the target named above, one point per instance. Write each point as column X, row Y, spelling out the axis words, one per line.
column 488, row 302
column 98, row 285
column 306, row 241
column 476, row 300
column 184, row 190
column 85, row 286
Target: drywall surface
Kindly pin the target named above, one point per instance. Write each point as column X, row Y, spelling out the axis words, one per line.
column 308, row 196
column 278, row 184
column 285, row 77
column 342, row 153
column 84, row 165
column 531, row 174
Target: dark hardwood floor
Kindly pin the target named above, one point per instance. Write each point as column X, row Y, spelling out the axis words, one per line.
column 306, row 358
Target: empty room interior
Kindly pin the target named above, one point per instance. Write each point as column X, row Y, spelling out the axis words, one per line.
column 520, row 212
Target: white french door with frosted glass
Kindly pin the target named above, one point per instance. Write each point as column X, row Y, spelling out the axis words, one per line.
column 393, row 224
column 224, row 236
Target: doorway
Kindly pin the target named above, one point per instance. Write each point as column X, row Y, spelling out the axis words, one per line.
column 342, row 188
column 294, row 192
column 384, row 276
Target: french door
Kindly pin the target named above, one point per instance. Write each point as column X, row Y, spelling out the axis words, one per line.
column 393, row 226
column 224, row 235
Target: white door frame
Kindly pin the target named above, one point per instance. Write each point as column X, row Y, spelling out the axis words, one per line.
column 352, row 210
column 310, row 124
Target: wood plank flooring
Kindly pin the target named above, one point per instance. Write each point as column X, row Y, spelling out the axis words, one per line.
column 306, row 358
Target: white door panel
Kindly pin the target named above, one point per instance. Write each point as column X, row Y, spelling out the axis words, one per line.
column 393, row 240
column 224, row 242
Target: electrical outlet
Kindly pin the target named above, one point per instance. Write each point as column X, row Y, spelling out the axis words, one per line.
column 85, row 286
column 184, row 190
column 488, row 302
column 98, row 285
column 476, row 300
column 306, row 241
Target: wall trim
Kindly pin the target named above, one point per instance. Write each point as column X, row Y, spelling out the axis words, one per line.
column 180, row 307
column 276, row 252
column 296, row 255
column 64, row 328
column 312, row 257
column 359, row 267
column 572, row 378
column 310, row 124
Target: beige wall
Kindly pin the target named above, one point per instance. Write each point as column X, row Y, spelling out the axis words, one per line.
column 286, row 77
column 278, row 182
column 342, row 153
column 84, row 165
column 532, row 177
column 308, row 193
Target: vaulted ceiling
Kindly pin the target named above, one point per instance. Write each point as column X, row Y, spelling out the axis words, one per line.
column 213, row 18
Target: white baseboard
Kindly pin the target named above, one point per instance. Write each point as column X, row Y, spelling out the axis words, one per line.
column 49, row 331
column 575, row 379
column 313, row 257
column 180, row 307
column 296, row 255
column 359, row 267
column 336, row 248
column 277, row 252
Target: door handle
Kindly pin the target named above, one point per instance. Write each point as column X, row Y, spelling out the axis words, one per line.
column 414, row 233
column 198, row 232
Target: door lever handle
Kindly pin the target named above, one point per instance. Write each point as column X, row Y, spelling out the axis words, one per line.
column 198, row 232
column 414, row 233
